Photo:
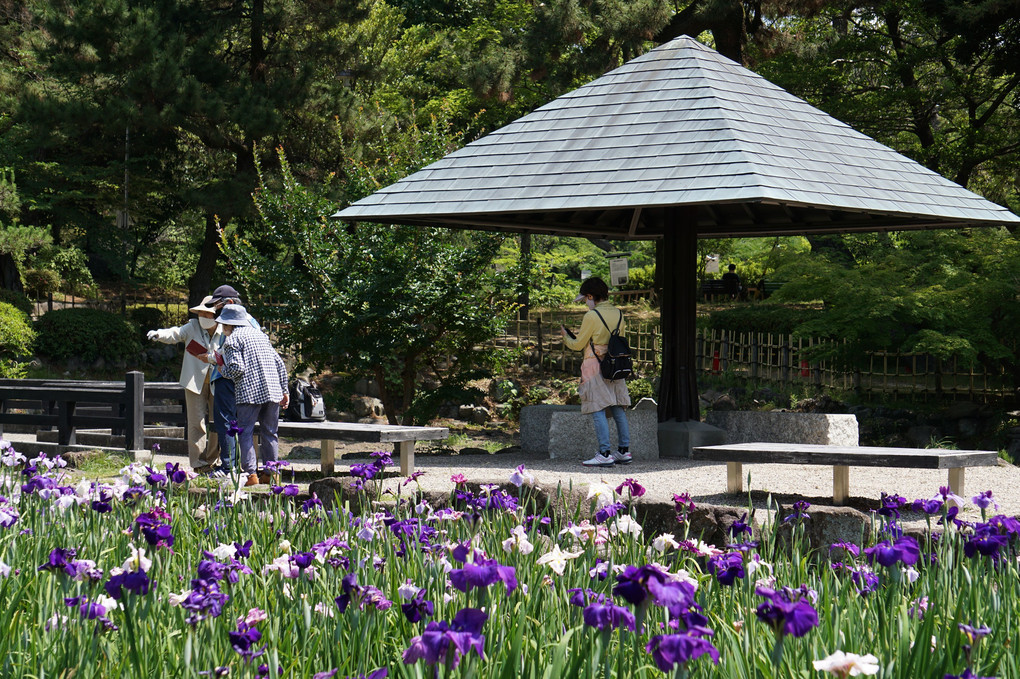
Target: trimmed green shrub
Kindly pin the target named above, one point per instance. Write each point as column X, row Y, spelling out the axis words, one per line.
column 766, row 318
column 147, row 318
column 41, row 282
column 18, row 300
column 87, row 334
column 16, row 340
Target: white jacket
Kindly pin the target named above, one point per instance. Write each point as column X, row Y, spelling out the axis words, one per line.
column 193, row 370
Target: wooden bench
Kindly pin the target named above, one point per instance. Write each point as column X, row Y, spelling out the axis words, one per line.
column 842, row 458
column 329, row 433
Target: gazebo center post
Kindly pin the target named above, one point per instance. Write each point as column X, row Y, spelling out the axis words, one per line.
column 680, row 426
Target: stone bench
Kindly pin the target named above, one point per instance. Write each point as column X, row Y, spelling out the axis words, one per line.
column 564, row 432
column 842, row 458
column 746, row 426
column 329, row 433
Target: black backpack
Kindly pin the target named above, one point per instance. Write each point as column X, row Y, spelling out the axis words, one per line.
column 306, row 403
column 616, row 364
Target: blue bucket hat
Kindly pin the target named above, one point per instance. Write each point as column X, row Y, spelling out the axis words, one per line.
column 233, row 314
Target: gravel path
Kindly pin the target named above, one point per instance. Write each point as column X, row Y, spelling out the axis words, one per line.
column 705, row 481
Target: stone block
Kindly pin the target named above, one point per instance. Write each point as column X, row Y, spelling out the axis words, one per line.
column 742, row 426
column 677, row 438
column 535, row 421
column 572, row 435
column 828, row 525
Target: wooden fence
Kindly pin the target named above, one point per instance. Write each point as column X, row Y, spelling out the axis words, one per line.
column 772, row 359
column 174, row 305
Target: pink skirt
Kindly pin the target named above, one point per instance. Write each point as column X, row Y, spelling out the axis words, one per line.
column 596, row 392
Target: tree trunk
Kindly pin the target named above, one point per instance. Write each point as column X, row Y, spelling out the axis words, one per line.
column 10, row 277
column 201, row 284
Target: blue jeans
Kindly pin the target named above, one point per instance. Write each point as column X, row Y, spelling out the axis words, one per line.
column 268, row 417
column 602, row 427
column 224, row 411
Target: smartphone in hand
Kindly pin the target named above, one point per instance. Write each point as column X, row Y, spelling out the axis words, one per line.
column 567, row 330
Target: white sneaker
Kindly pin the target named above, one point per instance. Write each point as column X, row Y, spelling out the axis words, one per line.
column 600, row 460
column 622, row 458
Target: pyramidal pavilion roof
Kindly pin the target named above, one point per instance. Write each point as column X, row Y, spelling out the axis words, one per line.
column 678, row 126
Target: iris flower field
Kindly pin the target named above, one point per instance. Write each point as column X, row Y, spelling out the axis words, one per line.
column 151, row 575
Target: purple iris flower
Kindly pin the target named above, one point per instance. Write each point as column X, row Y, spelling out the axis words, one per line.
column 985, row 542
column 135, row 582
column 233, row 429
column 362, row 596
column 58, row 559
column 904, row 549
column 739, row 527
column 670, row 650
column 866, row 581
column 482, row 573
column 609, row 511
column 967, row 674
column 933, row 506
column 311, row 503
column 160, row 535
column 582, row 597
column 102, row 505
column 303, row 559
column 848, row 547
column 799, row 512
column 417, row 608
column 975, row 634
column 175, row 473
column 443, row 642
column 89, row 610
column 608, row 616
column 243, row 550
column 634, row 488
column 244, row 641
column 786, row 612
column 984, row 499
column 154, row 478
column 891, row 505
column 727, row 567
column 637, row 584
column 205, row 601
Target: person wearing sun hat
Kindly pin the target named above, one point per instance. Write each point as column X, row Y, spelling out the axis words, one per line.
column 260, row 385
column 198, row 335
column 224, row 399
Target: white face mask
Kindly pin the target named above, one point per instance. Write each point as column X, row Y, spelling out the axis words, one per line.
column 590, row 303
column 207, row 323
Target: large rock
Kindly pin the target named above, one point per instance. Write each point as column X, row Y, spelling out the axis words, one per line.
column 742, row 426
column 828, row 525
column 710, row 523
column 572, row 435
column 367, row 406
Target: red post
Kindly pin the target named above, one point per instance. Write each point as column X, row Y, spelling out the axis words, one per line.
column 805, row 369
column 715, row 363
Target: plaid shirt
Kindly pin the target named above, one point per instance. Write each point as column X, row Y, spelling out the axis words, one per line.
column 257, row 370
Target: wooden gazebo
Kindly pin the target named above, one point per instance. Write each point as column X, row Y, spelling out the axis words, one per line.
column 676, row 144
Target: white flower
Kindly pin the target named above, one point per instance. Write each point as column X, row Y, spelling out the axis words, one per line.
column 601, row 569
column 5, row 570
column 664, row 542
column 137, row 561
column 367, row 533
column 602, row 492
column 518, row 541
column 705, row 549
column 56, row 622
column 625, row 525
column 200, row 512
column 557, row 559
column 238, row 496
column 910, row 573
column 325, row 609
column 134, row 474
column 223, row 552
column 847, row 664
column 284, row 566
column 177, row 599
column 408, row 591
column 108, row 602
column 520, row 476
column 284, row 546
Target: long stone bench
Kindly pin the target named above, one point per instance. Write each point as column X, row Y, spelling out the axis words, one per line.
column 842, row 458
column 329, row 433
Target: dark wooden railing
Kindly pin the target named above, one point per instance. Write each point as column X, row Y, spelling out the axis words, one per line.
column 74, row 404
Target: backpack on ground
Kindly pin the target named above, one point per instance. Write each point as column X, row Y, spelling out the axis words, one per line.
column 617, row 363
column 306, row 402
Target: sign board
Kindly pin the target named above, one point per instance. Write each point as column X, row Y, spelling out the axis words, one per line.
column 712, row 264
column 585, row 274
column 619, row 271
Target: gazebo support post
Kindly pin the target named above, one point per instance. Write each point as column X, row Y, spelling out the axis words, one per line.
column 680, row 427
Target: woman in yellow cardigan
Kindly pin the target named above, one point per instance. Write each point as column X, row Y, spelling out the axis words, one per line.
column 597, row 393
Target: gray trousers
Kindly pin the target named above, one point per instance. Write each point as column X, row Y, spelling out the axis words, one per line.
column 268, row 417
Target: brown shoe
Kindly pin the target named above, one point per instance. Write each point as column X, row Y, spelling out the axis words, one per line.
column 253, row 480
column 267, row 478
